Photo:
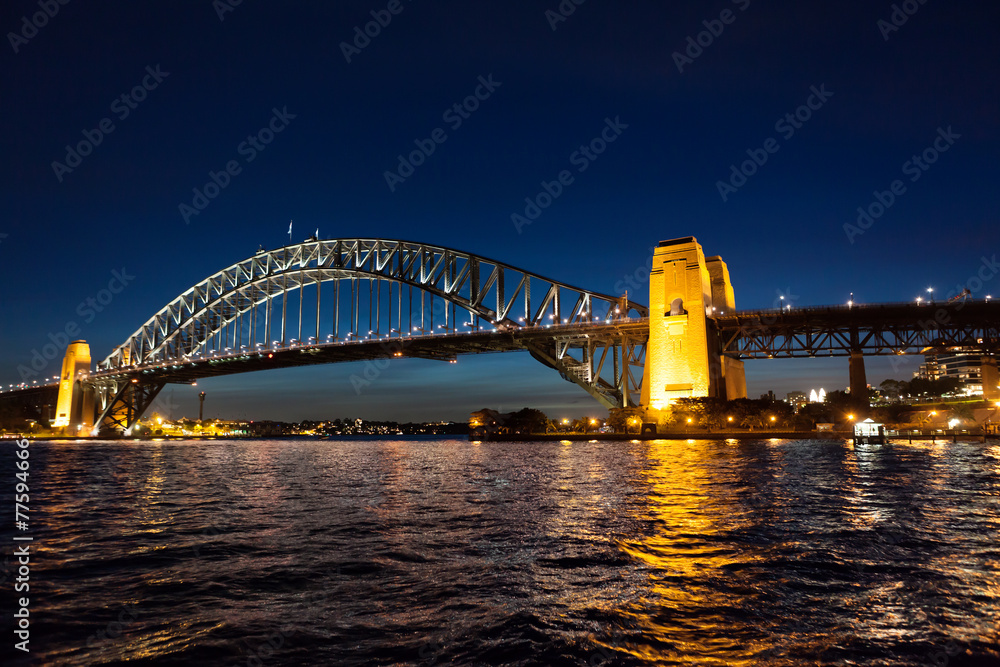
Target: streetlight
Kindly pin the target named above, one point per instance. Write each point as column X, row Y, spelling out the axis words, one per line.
column 930, row 291
column 850, row 303
column 988, row 297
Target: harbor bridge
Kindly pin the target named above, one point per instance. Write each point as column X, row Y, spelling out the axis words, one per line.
column 339, row 300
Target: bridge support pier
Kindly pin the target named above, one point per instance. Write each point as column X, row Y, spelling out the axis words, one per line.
column 859, row 381
column 683, row 358
column 991, row 379
column 126, row 405
column 75, row 404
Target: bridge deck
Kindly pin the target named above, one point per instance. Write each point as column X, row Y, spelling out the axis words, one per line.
column 442, row 347
column 876, row 329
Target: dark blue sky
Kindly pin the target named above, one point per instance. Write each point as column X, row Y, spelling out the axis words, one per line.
column 61, row 236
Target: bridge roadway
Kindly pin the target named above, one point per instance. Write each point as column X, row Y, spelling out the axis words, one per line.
column 870, row 329
column 437, row 346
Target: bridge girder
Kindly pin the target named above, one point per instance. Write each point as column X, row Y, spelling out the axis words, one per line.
column 122, row 403
column 872, row 330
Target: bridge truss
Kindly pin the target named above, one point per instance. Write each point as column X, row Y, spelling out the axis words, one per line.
column 347, row 299
column 872, row 330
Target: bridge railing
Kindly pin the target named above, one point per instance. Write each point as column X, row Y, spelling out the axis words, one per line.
column 866, row 308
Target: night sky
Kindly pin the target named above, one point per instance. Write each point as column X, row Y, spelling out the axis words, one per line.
column 215, row 74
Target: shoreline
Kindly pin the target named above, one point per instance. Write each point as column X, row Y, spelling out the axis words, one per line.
column 724, row 435
column 547, row 437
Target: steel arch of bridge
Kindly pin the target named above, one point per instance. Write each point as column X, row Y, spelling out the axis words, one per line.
column 237, row 309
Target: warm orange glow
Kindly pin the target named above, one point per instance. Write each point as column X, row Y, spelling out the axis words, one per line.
column 684, row 288
column 679, row 480
column 70, row 400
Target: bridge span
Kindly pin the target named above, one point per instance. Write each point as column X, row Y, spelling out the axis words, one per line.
column 329, row 301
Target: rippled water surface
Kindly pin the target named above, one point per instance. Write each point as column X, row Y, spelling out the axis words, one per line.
column 421, row 552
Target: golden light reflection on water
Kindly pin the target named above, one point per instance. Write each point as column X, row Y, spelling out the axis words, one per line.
column 151, row 514
column 691, row 508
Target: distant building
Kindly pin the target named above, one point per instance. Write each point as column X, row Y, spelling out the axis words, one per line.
column 797, row 399
column 929, row 370
column 966, row 367
column 487, row 422
column 267, row 428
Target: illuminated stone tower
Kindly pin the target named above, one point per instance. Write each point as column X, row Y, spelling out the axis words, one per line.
column 733, row 378
column 682, row 357
column 75, row 405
